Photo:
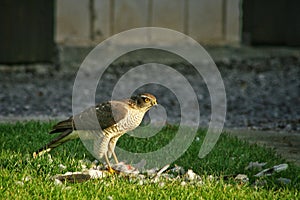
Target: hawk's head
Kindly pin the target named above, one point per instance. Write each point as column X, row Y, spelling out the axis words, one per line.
column 144, row 101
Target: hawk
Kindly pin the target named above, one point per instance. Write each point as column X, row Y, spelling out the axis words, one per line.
column 115, row 119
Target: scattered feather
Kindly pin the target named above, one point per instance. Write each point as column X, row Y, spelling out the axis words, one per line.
column 272, row 170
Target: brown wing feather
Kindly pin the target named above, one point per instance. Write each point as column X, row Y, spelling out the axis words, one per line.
column 111, row 113
column 108, row 114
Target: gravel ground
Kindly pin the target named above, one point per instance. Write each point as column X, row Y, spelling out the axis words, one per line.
column 262, row 89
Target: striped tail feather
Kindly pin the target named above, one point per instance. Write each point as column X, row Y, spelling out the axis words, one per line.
column 67, row 134
column 62, row 138
column 63, row 126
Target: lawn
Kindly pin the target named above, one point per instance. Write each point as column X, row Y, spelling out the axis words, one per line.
column 23, row 177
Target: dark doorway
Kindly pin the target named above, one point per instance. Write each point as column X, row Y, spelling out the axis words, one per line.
column 27, row 31
column 271, row 22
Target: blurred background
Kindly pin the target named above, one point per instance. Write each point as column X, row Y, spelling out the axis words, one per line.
column 255, row 44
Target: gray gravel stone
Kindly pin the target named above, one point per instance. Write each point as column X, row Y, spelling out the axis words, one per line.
column 262, row 90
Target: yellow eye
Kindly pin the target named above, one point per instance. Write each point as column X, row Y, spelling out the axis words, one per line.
column 147, row 100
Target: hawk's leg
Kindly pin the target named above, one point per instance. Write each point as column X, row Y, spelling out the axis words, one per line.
column 109, row 168
column 103, row 151
column 114, row 155
column 112, row 146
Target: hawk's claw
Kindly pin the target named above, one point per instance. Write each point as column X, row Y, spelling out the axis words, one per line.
column 111, row 170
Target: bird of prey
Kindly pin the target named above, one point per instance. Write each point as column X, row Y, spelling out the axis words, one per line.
column 115, row 119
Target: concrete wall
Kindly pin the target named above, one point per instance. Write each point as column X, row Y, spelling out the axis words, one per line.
column 88, row 22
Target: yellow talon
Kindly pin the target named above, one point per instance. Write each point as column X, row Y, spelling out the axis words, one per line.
column 111, row 170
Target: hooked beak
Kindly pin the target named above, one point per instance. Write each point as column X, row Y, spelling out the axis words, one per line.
column 154, row 104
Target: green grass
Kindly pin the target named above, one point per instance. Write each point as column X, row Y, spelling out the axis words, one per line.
column 229, row 156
